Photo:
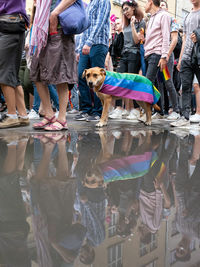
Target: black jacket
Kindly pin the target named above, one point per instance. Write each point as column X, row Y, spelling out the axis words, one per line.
column 196, row 48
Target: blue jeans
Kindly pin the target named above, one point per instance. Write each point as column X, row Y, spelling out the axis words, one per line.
column 143, row 64
column 53, row 96
column 96, row 58
column 75, row 97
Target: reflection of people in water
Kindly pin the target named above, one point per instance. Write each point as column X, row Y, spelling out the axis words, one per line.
column 153, row 194
column 14, row 228
column 187, row 199
column 58, row 237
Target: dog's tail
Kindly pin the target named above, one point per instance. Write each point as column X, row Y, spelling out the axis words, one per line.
column 156, row 107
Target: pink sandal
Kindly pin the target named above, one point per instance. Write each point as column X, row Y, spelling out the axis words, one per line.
column 41, row 125
column 59, row 127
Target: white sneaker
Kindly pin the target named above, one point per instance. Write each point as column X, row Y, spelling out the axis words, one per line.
column 195, row 118
column 116, row 134
column 173, row 116
column 116, row 114
column 111, row 109
column 125, row 113
column 33, row 115
column 157, row 116
column 181, row 122
column 143, row 118
column 73, row 111
column 134, row 114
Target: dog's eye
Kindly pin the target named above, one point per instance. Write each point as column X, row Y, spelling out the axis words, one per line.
column 95, row 75
column 88, row 75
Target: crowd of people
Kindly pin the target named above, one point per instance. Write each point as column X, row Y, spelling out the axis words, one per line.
column 51, row 63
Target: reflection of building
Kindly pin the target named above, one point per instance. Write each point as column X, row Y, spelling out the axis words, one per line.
column 160, row 252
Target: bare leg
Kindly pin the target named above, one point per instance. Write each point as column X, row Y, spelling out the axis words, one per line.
column 9, row 94
column 43, row 92
column 19, row 98
column 63, row 94
column 197, row 96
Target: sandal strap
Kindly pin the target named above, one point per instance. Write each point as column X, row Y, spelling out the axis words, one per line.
column 49, row 119
column 62, row 123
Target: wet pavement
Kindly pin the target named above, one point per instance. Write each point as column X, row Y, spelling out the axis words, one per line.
column 126, row 195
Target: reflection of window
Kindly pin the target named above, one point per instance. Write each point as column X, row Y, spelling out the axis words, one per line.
column 143, row 249
column 174, row 229
column 119, row 2
column 151, row 264
column 192, row 245
column 172, row 256
column 115, row 255
column 112, row 225
column 153, row 244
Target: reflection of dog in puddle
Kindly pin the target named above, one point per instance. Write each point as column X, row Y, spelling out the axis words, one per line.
column 96, row 77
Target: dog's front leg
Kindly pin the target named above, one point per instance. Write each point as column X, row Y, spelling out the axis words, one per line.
column 107, row 99
column 148, row 114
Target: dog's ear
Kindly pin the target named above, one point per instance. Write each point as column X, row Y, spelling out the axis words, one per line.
column 84, row 73
column 103, row 72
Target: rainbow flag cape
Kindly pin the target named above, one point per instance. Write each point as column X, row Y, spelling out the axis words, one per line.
column 132, row 86
column 130, row 167
column 164, row 75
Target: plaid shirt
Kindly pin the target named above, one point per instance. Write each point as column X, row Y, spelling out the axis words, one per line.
column 98, row 33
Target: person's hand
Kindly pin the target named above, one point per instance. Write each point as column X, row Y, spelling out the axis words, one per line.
column 179, row 66
column 167, row 58
column 133, row 21
column 86, row 50
column 162, row 63
column 156, row 184
column 77, row 57
column 53, row 22
column 193, row 37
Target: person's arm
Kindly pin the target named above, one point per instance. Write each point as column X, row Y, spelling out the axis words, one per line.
column 53, row 20
column 182, row 50
column 135, row 35
column 167, row 201
column 102, row 15
column 174, row 40
column 165, row 31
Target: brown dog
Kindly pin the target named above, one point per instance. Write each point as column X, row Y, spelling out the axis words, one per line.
column 95, row 78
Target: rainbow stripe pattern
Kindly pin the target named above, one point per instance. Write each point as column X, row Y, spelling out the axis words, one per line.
column 164, row 75
column 132, row 86
column 130, row 167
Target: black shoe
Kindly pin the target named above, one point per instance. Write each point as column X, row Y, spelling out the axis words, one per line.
column 93, row 118
column 81, row 117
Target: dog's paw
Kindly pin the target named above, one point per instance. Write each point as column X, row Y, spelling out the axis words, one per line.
column 147, row 123
column 101, row 124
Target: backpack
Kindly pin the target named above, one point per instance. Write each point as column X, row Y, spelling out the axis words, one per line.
column 177, row 49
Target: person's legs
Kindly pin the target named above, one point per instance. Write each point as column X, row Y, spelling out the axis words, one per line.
column 170, row 85
column 20, row 104
column 151, row 72
column 54, row 95
column 36, row 102
column 187, row 75
column 86, row 102
column 43, row 92
column 9, row 95
column 75, row 97
column 97, row 59
column 63, row 93
column 152, row 67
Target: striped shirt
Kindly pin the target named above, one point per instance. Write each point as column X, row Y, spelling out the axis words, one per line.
column 98, row 33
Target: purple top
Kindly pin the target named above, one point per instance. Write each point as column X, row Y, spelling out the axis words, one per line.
column 8, row 7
